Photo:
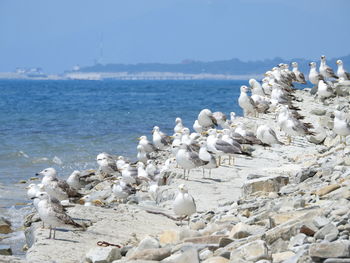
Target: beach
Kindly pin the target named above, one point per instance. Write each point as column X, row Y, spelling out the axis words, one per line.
column 276, row 205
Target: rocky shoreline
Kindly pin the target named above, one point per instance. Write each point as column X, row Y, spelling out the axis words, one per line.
column 287, row 203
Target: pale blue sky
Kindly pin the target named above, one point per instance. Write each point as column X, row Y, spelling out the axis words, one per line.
column 57, row 34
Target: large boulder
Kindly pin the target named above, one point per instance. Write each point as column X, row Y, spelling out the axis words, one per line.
column 265, row 184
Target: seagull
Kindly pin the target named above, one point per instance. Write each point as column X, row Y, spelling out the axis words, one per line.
column 324, row 90
column 120, row 162
column 122, row 190
column 32, row 191
column 176, row 143
column 188, row 159
column 206, row 119
column 184, row 204
column 160, row 139
column 197, row 127
column 179, row 126
column 220, row 147
column 129, row 173
column 146, row 144
column 51, row 213
column 325, row 70
column 314, row 76
column 266, row 86
column 267, row 135
column 151, row 169
column 298, row 75
column 256, row 87
column 142, row 155
column 341, row 71
column 246, row 102
column 56, row 188
column 141, row 172
column 75, row 181
column 206, row 156
column 107, row 165
column 341, row 125
column 220, row 118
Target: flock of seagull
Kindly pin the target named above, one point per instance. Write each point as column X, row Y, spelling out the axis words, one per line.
column 215, row 136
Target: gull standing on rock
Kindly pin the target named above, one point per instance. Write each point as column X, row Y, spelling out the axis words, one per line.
column 206, row 156
column 142, row 155
column 206, row 119
column 32, row 191
column 56, row 188
column 246, row 102
column 178, row 125
column 314, row 77
column 197, row 127
column 256, row 87
column 188, row 159
column 107, row 165
column 129, row 173
column 298, row 75
column 146, row 144
column 160, row 139
column 51, row 213
column 341, row 125
column 341, row 72
column 325, row 70
column 75, row 181
column 184, row 204
column 324, row 90
column 121, row 190
column 267, row 135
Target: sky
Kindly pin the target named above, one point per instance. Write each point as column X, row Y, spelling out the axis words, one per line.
column 58, row 34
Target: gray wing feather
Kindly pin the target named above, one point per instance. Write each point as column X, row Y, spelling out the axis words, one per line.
column 226, row 147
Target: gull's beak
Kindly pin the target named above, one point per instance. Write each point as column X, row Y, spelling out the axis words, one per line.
column 204, row 133
column 172, row 137
column 139, row 139
column 219, row 131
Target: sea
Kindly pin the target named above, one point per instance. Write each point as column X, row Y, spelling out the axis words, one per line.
column 65, row 123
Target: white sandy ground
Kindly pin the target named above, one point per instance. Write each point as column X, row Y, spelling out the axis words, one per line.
column 127, row 222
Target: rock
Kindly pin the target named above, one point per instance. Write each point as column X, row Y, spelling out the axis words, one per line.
column 252, row 251
column 304, row 174
column 319, row 137
column 216, row 260
column 297, row 240
column 327, row 189
column 188, row 256
column 320, row 221
column 11, row 259
column 308, row 229
column 336, row 249
column 197, row 225
column 240, row 230
column 5, row 250
column 280, row 257
column 265, row 184
column 214, row 239
column 337, row 260
column 318, row 112
column 103, row 254
column 326, row 230
column 223, row 242
column 148, row 243
column 169, row 237
column 152, row 254
column 205, row 254
column 5, row 226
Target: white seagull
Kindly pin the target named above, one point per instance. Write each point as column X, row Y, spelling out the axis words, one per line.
column 184, row 204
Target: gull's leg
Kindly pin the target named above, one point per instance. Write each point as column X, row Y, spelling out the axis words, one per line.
column 50, row 233
column 289, row 140
column 43, row 225
column 219, row 160
column 203, row 174
column 209, row 173
column 184, row 173
column 54, row 233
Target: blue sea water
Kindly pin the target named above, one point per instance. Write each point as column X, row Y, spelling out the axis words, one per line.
column 65, row 124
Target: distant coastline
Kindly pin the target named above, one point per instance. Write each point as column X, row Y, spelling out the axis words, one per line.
column 129, row 76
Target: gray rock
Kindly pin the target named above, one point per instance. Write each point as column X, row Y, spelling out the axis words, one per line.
column 326, row 230
column 148, row 243
column 253, row 251
column 318, row 112
column 337, row 260
column 336, row 249
column 5, row 250
column 320, row 221
column 152, row 254
column 265, row 184
column 5, row 226
column 188, row 256
column 304, row 174
column 297, row 240
column 103, row 254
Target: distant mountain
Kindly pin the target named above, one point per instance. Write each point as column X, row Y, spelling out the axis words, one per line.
column 229, row 67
